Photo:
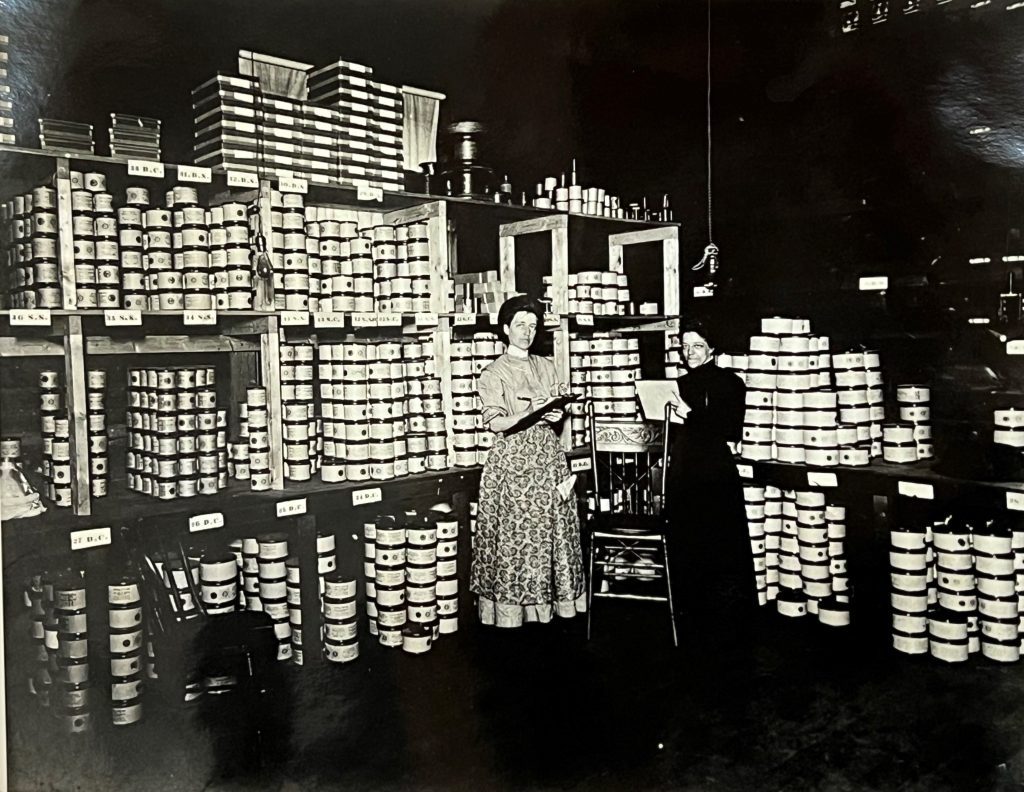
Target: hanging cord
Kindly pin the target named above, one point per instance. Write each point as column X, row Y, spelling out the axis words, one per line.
column 710, row 258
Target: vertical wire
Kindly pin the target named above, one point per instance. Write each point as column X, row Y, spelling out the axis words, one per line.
column 708, row 73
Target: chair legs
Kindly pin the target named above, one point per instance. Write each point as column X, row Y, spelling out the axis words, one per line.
column 668, row 586
column 590, row 586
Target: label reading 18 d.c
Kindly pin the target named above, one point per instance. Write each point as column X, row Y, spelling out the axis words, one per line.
column 154, row 170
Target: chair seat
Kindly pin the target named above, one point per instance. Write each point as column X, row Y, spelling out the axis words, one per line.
column 627, row 524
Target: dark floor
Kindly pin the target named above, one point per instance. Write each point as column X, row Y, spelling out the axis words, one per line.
column 798, row 706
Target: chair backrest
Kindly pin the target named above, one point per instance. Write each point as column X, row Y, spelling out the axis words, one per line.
column 628, row 462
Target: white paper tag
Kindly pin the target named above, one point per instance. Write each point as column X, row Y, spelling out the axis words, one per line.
column 1015, row 501
column 242, row 179
column 328, row 320
column 205, row 522
column 579, row 464
column 90, row 537
column 364, row 193
column 291, row 508
column 493, row 317
column 39, row 317
column 585, row 320
column 914, row 489
column 426, row 319
column 461, row 318
column 122, row 317
column 195, row 174
column 287, row 185
column 551, row 320
column 702, row 291
column 200, row 317
column 875, row 283
column 154, row 170
column 745, row 471
column 363, row 496
column 1012, row 347
column 364, row 319
column 294, row 318
column 389, row 320
column 817, row 478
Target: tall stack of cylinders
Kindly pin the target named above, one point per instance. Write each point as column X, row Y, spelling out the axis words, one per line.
column 251, row 574
column 361, row 260
column 257, row 428
column 96, row 384
column 164, row 285
column 953, row 586
column 387, row 606
column 230, row 254
column 124, row 598
column 53, row 662
column 996, row 579
column 385, row 409
column 132, row 246
column 300, row 426
column 291, row 263
column 465, row 401
column 861, row 406
column 674, row 366
column 56, row 434
column 238, row 452
column 340, row 619
column 914, row 406
column 191, row 243
column 29, row 238
column 40, row 680
column 273, row 588
column 72, row 706
column 487, row 348
column 107, row 282
column 601, row 293
column 294, row 596
column 331, row 229
column 218, row 583
column 755, row 503
column 414, row 263
column 604, row 368
column 422, row 627
column 423, row 406
column 447, row 572
column 88, row 199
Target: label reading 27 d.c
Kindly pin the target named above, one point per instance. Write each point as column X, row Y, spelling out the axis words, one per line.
column 90, row 537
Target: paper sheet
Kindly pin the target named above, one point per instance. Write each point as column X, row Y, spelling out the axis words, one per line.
column 655, row 394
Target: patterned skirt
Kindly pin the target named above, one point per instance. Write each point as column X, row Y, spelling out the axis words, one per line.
column 527, row 562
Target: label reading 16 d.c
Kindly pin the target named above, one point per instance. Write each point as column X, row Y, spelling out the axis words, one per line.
column 205, row 522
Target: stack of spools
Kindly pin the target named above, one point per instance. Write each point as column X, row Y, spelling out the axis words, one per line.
column 1009, row 428
column 32, row 249
column 255, row 426
column 674, row 366
column 326, row 564
column 51, row 664
column 487, row 348
column 238, row 452
column 96, row 385
column 273, row 588
column 601, row 293
column 288, row 241
column 858, row 378
column 56, row 433
column 471, row 440
column 798, row 552
column 414, row 263
column 604, row 367
column 301, row 430
column 340, row 619
column 229, row 256
column 218, row 583
column 177, row 438
column 94, row 228
column 124, row 613
column 192, row 248
column 910, row 439
column 331, row 229
column 164, row 285
column 6, row 103
column 130, row 231
column 72, row 706
column 40, row 680
column 424, row 411
column 250, row 570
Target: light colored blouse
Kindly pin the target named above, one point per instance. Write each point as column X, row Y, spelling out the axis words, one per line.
column 507, row 385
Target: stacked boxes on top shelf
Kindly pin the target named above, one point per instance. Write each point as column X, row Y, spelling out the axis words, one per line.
column 479, row 292
column 134, row 137
column 6, row 96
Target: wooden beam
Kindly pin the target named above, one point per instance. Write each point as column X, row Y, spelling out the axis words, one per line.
column 104, row 345
column 66, row 237
column 437, row 236
column 647, row 235
column 270, row 370
column 670, row 268
column 507, row 274
column 414, row 214
column 28, row 347
column 535, row 225
column 77, row 406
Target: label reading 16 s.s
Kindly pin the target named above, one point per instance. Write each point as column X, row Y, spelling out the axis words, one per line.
column 195, row 174
column 291, row 508
column 205, row 522
column 26, row 317
column 364, row 496
column 90, row 537
column 154, row 170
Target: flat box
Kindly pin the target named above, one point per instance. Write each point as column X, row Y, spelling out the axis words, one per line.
column 286, row 106
column 6, row 138
column 6, row 104
column 4, row 40
column 204, row 103
column 341, row 67
column 228, row 156
column 138, row 122
column 227, row 112
column 229, row 82
column 347, row 96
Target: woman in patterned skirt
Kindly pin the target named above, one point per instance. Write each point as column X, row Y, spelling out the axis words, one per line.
column 527, row 562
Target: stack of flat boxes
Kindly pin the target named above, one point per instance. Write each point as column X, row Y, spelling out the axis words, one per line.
column 6, row 100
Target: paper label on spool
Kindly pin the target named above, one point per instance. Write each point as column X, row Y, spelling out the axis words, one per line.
column 702, row 291
column 364, row 319
column 90, row 537
column 426, row 319
column 363, row 496
column 468, row 319
column 494, row 318
column 296, row 318
column 38, row 317
column 579, row 464
column 242, row 179
column 208, row 317
column 914, row 489
column 745, row 471
column 874, row 283
column 1015, row 501
column 154, row 170
column 205, row 522
column 818, row 479
column 292, row 185
column 327, row 319
column 194, row 173
column 585, row 320
column 389, row 320
column 291, row 508
column 122, row 317
column 366, row 193
column 1012, row 347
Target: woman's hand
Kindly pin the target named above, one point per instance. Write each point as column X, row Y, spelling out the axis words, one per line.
column 553, row 416
column 679, row 410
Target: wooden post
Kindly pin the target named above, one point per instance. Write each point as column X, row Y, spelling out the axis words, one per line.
column 66, row 237
column 270, row 368
column 77, row 408
column 309, row 588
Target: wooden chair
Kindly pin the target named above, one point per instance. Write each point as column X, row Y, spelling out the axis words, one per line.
column 628, row 555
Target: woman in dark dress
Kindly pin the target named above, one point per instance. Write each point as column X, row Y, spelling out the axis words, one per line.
column 712, row 565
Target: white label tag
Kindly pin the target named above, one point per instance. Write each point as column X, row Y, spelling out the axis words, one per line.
column 1012, row 347
column 460, row 319
column 876, row 283
column 819, row 479
column 1015, row 501
column 242, row 179
column 328, row 320
column 121, row 317
column 551, row 320
column 154, row 170
column 287, row 185
column 39, row 317
column 294, row 318
column 369, row 193
column 389, row 320
column 745, row 471
column 426, row 319
column 291, row 508
column 579, row 464
column 364, row 319
column 494, row 318
column 702, row 291
column 363, row 496
column 90, row 537
column 205, row 522
column 585, row 320
column 195, row 174
column 914, row 489
column 200, row 317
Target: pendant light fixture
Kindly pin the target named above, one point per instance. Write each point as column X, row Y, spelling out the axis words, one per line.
column 710, row 259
